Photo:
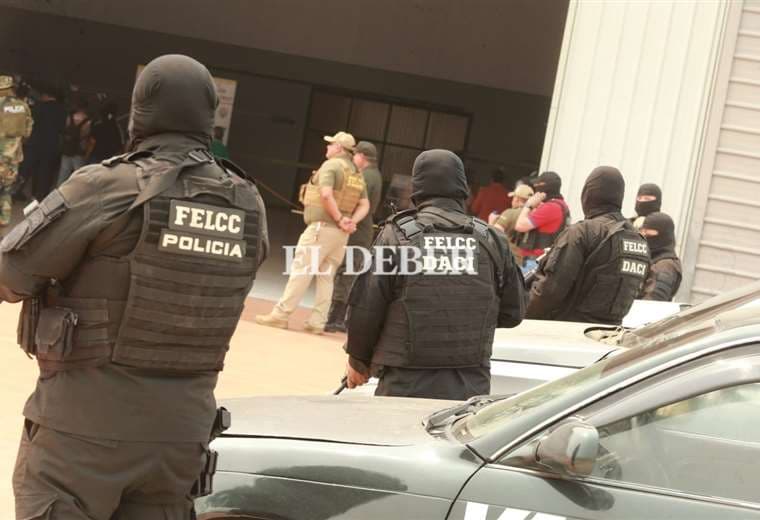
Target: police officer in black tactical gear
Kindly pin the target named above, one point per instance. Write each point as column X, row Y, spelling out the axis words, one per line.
column 133, row 275
column 429, row 333
column 597, row 266
column 665, row 272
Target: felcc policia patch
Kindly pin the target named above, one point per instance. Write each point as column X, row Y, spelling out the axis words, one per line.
column 204, row 231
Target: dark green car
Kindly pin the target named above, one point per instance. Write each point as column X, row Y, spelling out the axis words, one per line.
column 669, row 428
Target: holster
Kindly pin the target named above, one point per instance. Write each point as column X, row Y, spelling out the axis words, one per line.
column 205, row 483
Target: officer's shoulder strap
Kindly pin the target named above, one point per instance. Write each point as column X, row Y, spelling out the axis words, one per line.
column 406, row 222
column 128, row 157
column 230, row 166
column 614, row 230
column 160, row 183
column 495, row 248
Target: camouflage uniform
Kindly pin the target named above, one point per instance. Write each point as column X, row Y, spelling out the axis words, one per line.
column 15, row 126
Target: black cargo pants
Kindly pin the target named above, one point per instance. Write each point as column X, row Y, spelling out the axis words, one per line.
column 60, row 476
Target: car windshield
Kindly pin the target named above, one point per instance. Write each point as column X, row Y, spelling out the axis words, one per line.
column 645, row 342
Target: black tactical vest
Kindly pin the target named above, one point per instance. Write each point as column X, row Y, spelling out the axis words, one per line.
column 191, row 270
column 447, row 314
column 608, row 286
column 534, row 239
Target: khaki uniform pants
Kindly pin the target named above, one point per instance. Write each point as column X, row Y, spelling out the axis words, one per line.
column 59, row 476
column 327, row 247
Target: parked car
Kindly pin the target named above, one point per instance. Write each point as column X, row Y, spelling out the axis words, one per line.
column 667, row 428
column 539, row 350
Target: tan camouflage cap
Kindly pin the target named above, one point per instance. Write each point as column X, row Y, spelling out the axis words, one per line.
column 344, row 139
column 6, row 82
column 523, row 191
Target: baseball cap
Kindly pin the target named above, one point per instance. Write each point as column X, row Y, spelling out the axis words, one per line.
column 344, row 139
column 523, row 191
column 367, row 149
column 6, row 82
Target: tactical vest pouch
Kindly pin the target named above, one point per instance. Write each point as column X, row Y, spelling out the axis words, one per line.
column 309, row 193
column 54, row 336
column 27, row 324
column 349, row 194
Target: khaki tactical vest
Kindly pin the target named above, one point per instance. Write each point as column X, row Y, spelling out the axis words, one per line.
column 447, row 315
column 347, row 196
column 13, row 117
column 192, row 268
column 608, row 287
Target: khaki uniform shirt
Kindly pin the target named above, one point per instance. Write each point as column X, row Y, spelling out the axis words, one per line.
column 330, row 174
column 110, row 401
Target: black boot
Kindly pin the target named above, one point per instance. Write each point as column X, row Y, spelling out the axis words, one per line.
column 336, row 318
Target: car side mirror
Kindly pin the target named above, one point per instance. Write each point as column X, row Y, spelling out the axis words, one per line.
column 571, row 448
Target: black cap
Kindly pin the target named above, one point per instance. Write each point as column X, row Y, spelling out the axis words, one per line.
column 367, row 149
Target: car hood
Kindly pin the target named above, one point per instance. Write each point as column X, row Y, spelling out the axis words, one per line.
column 559, row 343
column 353, row 419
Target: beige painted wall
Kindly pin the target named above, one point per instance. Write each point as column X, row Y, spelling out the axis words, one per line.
column 634, row 87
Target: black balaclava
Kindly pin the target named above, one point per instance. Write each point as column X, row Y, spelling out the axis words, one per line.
column 549, row 183
column 645, row 208
column 173, row 94
column 665, row 241
column 438, row 174
column 603, row 192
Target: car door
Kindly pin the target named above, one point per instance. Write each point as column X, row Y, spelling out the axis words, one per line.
column 684, row 443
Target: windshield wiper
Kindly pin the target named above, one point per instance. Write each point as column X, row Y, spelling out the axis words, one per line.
column 449, row 415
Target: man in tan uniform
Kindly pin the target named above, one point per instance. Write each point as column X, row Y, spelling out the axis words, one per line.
column 133, row 275
column 335, row 201
column 15, row 126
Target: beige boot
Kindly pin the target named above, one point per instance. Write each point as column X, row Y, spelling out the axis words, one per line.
column 270, row 320
column 313, row 329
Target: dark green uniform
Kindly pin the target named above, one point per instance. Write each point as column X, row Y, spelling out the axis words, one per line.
column 119, row 422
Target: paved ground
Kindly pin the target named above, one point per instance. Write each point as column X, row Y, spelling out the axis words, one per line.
column 262, row 361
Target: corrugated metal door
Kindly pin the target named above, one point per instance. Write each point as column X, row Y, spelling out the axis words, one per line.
column 728, row 255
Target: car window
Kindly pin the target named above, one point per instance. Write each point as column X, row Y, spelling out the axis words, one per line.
column 708, row 445
column 523, row 409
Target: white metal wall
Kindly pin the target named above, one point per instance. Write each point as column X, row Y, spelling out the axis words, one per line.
column 725, row 237
column 633, row 91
